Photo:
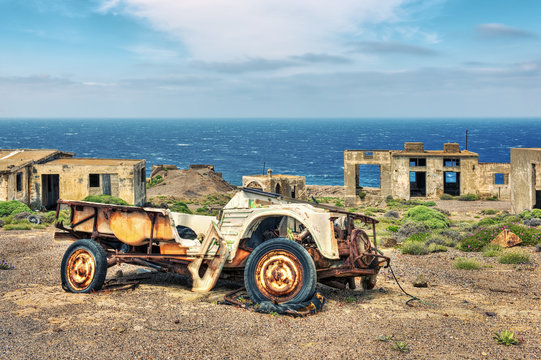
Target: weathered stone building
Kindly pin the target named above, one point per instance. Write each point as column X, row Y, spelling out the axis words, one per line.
column 286, row 185
column 526, row 179
column 40, row 177
column 415, row 171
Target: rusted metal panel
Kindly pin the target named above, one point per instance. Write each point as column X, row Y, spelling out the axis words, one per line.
column 506, row 239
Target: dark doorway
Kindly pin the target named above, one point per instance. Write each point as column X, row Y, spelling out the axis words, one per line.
column 451, row 183
column 294, row 192
column 278, row 189
column 417, row 183
column 537, row 199
column 51, row 190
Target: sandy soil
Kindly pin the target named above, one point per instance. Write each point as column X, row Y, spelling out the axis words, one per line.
column 163, row 319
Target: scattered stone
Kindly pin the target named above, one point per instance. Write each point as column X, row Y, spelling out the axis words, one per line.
column 490, row 313
column 538, row 248
column 421, row 281
column 2, row 223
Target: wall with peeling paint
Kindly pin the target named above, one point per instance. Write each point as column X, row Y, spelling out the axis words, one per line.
column 525, row 179
column 286, row 185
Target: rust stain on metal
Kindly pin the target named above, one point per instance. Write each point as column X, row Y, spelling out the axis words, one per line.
column 279, row 275
column 506, row 239
column 81, row 268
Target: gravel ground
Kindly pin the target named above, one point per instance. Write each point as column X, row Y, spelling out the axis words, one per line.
column 162, row 319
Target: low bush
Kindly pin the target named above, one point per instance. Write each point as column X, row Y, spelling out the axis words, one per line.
column 466, row 264
column 392, row 228
column 441, row 240
column 420, row 238
column 487, row 221
column 536, row 213
column 534, row 222
column 492, row 250
column 433, row 247
column 18, row 227
column 414, row 248
column 514, row 257
column 430, row 217
column 12, row 207
column 105, row 199
column 180, row 207
column 158, row 179
column 525, row 215
column 392, row 214
column 446, row 197
column 468, row 197
column 411, row 228
column 489, row 212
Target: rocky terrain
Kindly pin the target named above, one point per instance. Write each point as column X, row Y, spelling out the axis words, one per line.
column 163, row 319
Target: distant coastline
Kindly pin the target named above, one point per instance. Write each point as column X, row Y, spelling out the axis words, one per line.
column 308, row 147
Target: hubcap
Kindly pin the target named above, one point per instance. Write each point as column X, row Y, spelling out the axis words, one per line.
column 279, row 275
column 80, row 269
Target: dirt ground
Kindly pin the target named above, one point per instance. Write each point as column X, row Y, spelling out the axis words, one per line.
column 163, row 319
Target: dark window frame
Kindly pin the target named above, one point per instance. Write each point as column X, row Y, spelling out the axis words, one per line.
column 143, row 176
column 94, row 180
column 451, row 162
column 19, row 181
column 417, row 162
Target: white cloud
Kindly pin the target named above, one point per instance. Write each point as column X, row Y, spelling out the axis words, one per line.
column 215, row 30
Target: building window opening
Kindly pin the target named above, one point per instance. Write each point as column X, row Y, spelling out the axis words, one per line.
column 417, row 161
column 278, row 189
column 94, row 180
column 19, row 182
column 451, row 162
column 501, row 179
column 451, row 183
column 368, row 154
column 417, row 183
column 367, row 176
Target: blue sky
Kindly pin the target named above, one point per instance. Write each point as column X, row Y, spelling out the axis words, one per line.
column 270, row 58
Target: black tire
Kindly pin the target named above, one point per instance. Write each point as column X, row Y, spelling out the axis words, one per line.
column 84, row 267
column 293, row 272
column 369, row 282
column 34, row 219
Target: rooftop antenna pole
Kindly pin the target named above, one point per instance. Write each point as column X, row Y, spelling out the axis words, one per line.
column 263, row 168
column 466, row 139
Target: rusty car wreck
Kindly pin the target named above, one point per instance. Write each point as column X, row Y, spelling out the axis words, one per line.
column 279, row 247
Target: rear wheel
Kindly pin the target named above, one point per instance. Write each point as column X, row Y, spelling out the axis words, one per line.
column 84, row 267
column 281, row 271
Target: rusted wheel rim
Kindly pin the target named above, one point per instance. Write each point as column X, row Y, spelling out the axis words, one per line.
column 279, row 275
column 80, row 269
column 364, row 246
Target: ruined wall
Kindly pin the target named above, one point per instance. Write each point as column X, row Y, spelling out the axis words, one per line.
column 3, row 187
column 401, row 177
column 525, row 167
column 8, row 186
column 468, row 175
column 286, row 185
column 74, row 181
column 486, row 185
column 352, row 160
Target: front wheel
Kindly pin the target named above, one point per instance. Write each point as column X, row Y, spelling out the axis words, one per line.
column 281, row 271
column 369, row 282
column 84, row 267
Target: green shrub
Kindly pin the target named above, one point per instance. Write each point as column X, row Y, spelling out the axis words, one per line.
column 362, row 195
column 536, row 213
column 18, row 227
column 420, row 238
column 446, row 197
column 105, row 199
column 506, row 338
column 7, row 219
column 414, row 248
column 392, row 228
column 180, row 207
column 443, row 240
column 514, row 257
column 430, row 217
column 466, row 264
column 487, row 221
column 525, row 215
column 433, row 247
column 492, row 198
column 489, row 211
column 484, row 235
column 12, row 207
column 492, row 250
column 468, row 197
column 429, row 203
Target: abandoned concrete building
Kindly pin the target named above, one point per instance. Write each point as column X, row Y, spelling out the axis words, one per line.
column 415, row 171
column 285, row 185
column 525, row 179
column 40, row 177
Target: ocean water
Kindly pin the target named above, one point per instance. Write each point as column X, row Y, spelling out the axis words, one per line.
column 309, row 147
